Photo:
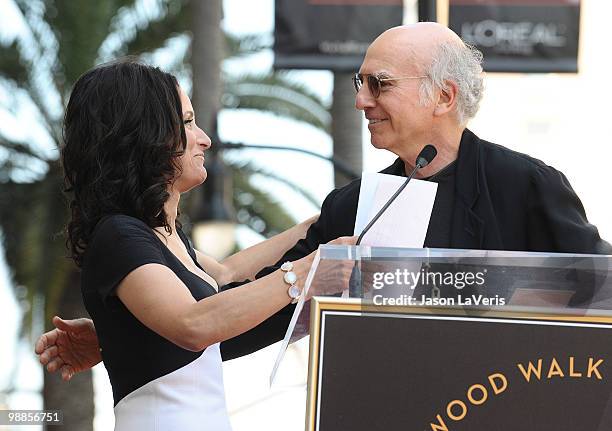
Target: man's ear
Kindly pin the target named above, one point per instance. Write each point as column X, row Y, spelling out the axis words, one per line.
column 447, row 99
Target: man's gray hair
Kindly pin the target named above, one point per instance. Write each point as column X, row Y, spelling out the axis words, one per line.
column 461, row 64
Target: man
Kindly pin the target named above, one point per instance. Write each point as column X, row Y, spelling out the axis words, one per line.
column 418, row 84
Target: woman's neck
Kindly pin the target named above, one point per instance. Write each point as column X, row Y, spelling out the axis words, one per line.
column 171, row 208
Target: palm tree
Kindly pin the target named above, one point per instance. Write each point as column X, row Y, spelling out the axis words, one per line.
column 62, row 39
column 346, row 126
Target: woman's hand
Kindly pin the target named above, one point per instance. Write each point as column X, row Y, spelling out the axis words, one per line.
column 302, row 228
column 71, row 347
column 310, row 221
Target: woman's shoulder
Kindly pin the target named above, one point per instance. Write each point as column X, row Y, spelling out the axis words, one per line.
column 116, row 232
column 120, row 226
column 121, row 223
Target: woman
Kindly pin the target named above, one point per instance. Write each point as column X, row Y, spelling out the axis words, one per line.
column 132, row 147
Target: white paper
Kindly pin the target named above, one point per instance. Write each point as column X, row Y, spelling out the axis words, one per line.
column 405, row 222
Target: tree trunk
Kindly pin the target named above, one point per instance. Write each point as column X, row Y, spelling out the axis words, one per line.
column 214, row 198
column 346, row 126
column 206, row 56
column 74, row 399
column 61, row 287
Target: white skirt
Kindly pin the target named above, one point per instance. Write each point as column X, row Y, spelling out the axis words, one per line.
column 190, row 398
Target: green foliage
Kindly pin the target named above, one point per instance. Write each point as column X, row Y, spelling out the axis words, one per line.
column 258, row 209
column 18, row 148
column 277, row 94
column 80, row 27
column 11, row 65
column 239, row 46
column 248, row 170
column 174, row 21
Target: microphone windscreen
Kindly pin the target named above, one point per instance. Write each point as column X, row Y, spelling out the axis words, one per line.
column 427, row 154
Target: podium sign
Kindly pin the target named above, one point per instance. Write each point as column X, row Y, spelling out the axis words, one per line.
column 417, row 368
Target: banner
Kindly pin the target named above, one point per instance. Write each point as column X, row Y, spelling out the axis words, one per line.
column 520, row 35
column 330, row 34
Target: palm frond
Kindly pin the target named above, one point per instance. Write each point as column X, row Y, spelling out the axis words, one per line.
column 20, row 148
column 21, row 168
column 237, row 46
column 50, row 121
column 80, row 27
column 141, row 31
column 250, row 169
column 12, row 67
column 30, row 54
column 277, row 94
column 257, row 209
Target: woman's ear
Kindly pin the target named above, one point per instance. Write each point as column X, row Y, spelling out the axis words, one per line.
column 447, row 99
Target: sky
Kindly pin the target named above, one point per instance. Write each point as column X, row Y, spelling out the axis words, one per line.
column 561, row 119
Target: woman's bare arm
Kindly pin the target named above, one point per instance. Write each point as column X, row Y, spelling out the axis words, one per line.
column 248, row 262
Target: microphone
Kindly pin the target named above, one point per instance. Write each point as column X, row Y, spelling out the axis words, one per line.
column 427, row 154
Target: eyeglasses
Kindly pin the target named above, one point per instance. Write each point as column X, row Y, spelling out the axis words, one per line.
column 375, row 83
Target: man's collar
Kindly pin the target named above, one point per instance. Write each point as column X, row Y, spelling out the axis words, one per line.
column 467, row 172
column 397, row 168
column 468, row 168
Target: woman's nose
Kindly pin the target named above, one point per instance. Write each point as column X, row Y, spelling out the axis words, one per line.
column 203, row 139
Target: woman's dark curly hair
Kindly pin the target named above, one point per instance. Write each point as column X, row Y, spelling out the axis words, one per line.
column 123, row 132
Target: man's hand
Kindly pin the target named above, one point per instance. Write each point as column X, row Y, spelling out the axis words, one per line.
column 332, row 276
column 344, row 240
column 71, row 347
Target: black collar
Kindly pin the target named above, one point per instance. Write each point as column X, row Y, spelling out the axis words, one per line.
column 467, row 173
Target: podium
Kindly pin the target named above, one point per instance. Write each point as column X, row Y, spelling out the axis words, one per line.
column 432, row 339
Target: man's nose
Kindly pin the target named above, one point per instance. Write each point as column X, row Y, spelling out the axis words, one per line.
column 364, row 99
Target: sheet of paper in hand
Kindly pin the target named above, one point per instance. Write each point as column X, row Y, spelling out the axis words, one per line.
column 405, row 222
